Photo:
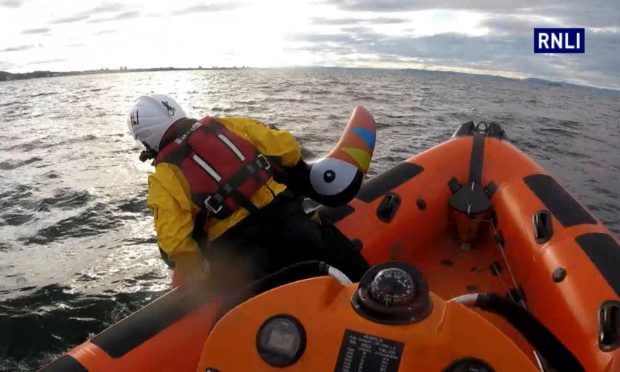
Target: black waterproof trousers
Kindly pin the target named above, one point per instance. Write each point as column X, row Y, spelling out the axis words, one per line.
column 279, row 235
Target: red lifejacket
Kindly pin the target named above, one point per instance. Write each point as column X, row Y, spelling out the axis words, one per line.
column 223, row 169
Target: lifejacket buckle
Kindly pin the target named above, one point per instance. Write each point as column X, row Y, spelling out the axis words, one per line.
column 263, row 162
column 215, row 209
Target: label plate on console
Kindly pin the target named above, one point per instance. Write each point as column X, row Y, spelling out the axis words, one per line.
column 360, row 352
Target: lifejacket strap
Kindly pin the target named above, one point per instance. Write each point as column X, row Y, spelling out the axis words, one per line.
column 177, row 132
column 200, row 234
column 243, row 201
column 214, row 203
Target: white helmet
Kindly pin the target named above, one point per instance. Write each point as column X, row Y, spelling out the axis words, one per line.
column 151, row 117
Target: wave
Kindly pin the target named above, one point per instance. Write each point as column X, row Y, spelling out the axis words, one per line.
column 44, row 323
column 95, row 220
column 14, row 164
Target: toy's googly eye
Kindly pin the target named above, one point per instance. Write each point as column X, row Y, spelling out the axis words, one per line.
column 331, row 176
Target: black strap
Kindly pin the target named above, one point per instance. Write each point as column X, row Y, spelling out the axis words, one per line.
column 177, row 156
column 253, row 170
column 477, row 159
column 241, row 200
column 199, row 234
column 230, row 189
column 214, row 126
column 178, row 131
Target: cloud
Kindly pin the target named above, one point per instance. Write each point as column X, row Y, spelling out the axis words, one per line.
column 101, row 9
column 575, row 13
column 341, row 39
column 484, row 35
column 70, row 19
column 45, row 61
column 510, row 25
column 103, row 32
column 356, row 21
column 118, row 17
column 578, row 13
column 399, row 5
column 36, row 31
column 504, row 44
column 4, row 65
column 388, row 20
column 18, row 48
column 335, row 21
column 494, row 52
column 216, row 7
column 519, row 24
column 105, row 8
column 357, row 29
column 317, row 50
column 11, row 3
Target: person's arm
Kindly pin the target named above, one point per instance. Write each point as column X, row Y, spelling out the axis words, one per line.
column 173, row 214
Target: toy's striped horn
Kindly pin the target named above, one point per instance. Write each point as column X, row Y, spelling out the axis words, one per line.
column 336, row 179
column 357, row 143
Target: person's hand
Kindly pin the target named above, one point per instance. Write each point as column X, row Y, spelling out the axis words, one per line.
column 296, row 178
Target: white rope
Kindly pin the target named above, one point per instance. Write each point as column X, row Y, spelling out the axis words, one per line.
column 512, row 276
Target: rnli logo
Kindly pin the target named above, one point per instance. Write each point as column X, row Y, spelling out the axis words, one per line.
column 559, row 40
column 135, row 119
column 170, row 109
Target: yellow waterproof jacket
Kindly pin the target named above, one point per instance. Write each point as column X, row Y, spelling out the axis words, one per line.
column 170, row 198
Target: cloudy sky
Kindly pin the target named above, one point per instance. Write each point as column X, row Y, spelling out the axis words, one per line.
column 480, row 36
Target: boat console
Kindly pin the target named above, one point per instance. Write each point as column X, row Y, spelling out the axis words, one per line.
column 388, row 322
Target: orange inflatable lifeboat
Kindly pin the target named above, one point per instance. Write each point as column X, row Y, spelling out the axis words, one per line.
column 483, row 262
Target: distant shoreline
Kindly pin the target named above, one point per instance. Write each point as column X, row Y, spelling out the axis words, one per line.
column 8, row 76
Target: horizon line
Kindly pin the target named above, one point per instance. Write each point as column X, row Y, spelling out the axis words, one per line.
column 125, row 69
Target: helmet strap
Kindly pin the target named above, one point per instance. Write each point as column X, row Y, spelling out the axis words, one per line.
column 148, row 153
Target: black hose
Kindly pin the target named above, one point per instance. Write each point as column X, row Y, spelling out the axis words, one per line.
column 297, row 271
column 555, row 353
